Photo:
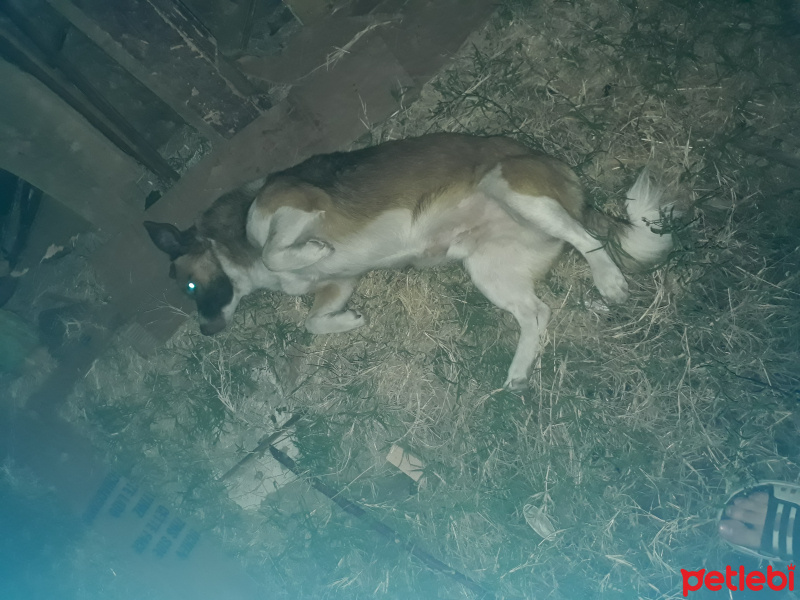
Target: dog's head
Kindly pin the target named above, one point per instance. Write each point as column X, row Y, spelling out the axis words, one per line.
column 198, row 272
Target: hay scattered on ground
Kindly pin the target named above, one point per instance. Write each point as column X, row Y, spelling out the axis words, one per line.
column 641, row 419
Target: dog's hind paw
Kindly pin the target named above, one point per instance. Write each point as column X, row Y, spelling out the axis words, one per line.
column 612, row 285
column 335, row 323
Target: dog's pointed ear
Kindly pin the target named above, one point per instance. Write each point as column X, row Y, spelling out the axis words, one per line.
column 170, row 239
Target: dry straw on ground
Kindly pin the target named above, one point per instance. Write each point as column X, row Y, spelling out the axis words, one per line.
column 641, row 419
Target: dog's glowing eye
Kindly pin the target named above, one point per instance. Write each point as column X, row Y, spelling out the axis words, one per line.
column 191, row 288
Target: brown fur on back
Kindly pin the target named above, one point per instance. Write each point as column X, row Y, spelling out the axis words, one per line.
column 541, row 175
column 413, row 174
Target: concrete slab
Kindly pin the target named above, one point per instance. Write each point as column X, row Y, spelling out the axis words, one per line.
column 149, row 544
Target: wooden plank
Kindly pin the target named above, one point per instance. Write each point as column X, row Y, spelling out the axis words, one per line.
column 432, row 31
column 310, row 49
column 150, row 79
column 180, row 56
column 16, row 44
column 62, row 154
column 228, row 21
column 362, row 89
column 309, row 11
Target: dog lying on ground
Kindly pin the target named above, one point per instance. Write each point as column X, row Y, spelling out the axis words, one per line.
column 501, row 209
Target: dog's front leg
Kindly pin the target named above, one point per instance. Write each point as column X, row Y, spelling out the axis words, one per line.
column 328, row 314
column 297, row 256
column 292, row 244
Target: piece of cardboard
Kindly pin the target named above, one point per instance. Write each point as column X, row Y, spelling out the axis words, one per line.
column 407, row 463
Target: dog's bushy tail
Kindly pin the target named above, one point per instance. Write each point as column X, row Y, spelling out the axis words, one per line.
column 643, row 241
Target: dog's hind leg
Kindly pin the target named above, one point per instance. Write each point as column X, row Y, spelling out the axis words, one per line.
column 328, row 314
column 548, row 215
column 504, row 273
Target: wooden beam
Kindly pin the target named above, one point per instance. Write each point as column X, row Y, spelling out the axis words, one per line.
column 49, row 144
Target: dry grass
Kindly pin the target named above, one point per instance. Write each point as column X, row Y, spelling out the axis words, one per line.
column 641, row 419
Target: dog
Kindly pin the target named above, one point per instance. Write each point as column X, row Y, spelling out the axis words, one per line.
column 504, row 211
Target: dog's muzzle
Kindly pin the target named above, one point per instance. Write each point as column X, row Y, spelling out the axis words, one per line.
column 214, row 326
